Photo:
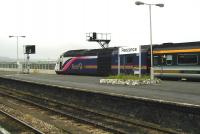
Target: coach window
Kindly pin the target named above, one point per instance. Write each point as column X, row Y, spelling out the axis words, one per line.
column 129, row 59
column 168, row 59
column 187, row 59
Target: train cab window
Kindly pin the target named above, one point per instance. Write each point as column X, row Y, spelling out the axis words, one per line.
column 129, row 59
column 168, row 59
column 187, row 59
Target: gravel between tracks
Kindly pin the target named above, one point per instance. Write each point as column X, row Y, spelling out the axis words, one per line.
column 43, row 126
column 48, row 123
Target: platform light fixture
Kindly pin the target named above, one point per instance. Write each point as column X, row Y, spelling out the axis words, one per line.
column 18, row 62
column 148, row 4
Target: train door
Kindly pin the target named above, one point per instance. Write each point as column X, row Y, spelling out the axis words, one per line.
column 158, row 61
column 104, row 62
column 162, row 64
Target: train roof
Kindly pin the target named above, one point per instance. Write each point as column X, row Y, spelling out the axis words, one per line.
column 171, row 46
column 86, row 52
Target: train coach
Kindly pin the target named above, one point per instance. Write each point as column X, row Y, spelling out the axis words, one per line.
column 177, row 60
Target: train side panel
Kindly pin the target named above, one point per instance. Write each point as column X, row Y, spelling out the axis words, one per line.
column 84, row 66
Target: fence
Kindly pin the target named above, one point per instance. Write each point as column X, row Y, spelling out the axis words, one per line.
column 37, row 67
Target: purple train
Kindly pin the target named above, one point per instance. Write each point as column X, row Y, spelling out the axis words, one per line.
column 102, row 61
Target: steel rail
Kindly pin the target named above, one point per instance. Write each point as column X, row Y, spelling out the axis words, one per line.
column 139, row 124
column 35, row 130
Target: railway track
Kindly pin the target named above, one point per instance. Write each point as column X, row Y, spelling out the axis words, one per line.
column 107, row 121
column 26, row 127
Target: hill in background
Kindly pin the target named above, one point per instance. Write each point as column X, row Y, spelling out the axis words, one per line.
column 6, row 59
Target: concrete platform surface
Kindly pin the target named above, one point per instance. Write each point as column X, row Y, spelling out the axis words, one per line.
column 183, row 92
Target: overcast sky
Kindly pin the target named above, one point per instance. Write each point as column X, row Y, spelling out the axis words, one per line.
column 55, row 26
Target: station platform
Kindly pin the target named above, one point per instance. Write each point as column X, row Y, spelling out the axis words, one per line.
column 180, row 92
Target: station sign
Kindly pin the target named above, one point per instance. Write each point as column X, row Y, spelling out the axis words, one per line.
column 128, row 50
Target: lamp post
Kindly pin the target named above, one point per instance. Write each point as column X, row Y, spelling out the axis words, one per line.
column 18, row 63
column 159, row 5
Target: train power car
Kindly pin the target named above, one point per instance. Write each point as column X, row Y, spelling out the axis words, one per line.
column 101, row 62
column 177, row 60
